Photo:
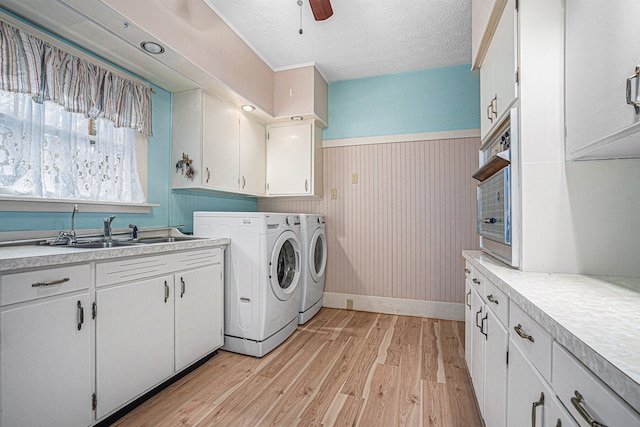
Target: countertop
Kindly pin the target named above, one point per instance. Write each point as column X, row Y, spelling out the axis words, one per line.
column 32, row 256
column 597, row 318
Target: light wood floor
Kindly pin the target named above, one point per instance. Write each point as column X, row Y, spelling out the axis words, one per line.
column 342, row 368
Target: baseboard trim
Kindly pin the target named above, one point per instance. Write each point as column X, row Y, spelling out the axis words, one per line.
column 406, row 137
column 404, row 307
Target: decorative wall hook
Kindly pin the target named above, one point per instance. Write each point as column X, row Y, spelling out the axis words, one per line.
column 185, row 166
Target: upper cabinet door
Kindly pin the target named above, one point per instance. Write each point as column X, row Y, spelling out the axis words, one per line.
column 253, row 153
column 601, row 79
column 290, row 159
column 220, row 151
column 484, row 18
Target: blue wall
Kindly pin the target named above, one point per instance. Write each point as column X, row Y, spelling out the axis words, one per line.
column 176, row 208
column 438, row 99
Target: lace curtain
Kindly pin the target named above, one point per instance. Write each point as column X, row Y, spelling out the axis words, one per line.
column 47, row 97
column 46, row 152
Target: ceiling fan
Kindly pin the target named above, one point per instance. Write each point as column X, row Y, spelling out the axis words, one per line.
column 321, row 9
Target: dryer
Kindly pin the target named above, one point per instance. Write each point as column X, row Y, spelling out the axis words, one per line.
column 261, row 278
column 314, row 263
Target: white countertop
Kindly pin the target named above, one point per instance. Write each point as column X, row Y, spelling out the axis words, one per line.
column 597, row 318
column 32, row 256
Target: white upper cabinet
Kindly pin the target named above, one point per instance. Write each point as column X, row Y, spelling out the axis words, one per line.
column 294, row 159
column 498, row 85
column 485, row 15
column 602, row 99
column 220, row 141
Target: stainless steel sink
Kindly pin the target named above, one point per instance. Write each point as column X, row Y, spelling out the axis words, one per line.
column 101, row 244
column 167, row 239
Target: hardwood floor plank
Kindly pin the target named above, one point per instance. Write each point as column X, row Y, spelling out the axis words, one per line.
column 348, row 415
column 429, row 360
column 355, row 384
column 380, row 406
column 342, row 368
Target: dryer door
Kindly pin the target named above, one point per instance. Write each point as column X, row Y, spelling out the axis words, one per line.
column 318, row 255
column 284, row 269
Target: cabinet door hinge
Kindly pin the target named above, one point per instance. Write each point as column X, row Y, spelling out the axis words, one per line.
column 507, row 357
column 94, row 310
column 94, row 402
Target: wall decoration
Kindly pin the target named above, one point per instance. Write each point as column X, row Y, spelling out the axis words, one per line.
column 185, row 167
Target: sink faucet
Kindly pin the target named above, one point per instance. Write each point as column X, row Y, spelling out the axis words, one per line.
column 107, row 227
column 69, row 236
column 134, row 231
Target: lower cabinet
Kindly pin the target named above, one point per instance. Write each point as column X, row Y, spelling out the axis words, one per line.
column 134, row 340
column 198, row 314
column 532, row 402
column 495, row 371
column 46, row 363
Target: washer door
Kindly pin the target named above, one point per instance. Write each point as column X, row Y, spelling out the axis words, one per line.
column 318, row 255
column 284, row 269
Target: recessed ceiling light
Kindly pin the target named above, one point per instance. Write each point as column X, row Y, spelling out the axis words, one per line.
column 296, row 118
column 248, row 107
column 152, row 47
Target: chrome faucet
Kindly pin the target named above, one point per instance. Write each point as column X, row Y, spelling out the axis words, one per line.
column 134, row 231
column 69, row 236
column 107, row 227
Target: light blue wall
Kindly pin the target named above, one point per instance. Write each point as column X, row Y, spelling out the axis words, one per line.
column 175, row 208
column 438, row 99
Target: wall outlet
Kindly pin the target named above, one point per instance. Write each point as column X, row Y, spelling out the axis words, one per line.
column 334, row 194
column 349, row 304
column 354, row 178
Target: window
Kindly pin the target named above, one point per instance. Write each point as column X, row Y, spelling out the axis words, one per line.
column 69, row 128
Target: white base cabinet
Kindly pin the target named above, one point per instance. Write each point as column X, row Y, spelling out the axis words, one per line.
column 134, row 340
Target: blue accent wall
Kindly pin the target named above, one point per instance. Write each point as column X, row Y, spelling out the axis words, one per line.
column 176, row 207
column 433, row 100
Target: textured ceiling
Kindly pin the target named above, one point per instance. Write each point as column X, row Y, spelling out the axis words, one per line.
column 363, row 37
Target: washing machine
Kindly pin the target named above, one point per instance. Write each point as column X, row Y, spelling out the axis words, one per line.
column 314, row 263
column 261, row 279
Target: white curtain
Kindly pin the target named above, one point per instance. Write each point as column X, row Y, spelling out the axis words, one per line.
column 45, row 151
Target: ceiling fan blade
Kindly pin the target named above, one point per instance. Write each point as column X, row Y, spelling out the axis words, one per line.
column 321, row 9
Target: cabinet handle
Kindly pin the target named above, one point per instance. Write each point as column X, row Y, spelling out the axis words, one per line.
column 486, row 336
column 80, row 315
column 494, row 111
column 477, row 325
column 166, row 291
column 466, row 270
column 559, row 423
column 183, row 287
column 577, row 402
column 55, row 282
column 533, row 409
column 467, row 299
column 519, row 331
column 492, row 299
column 208, row 175
column 244, row 182
column 476, row 281
column 636, row 103
column 489, row 114
column 306, row 185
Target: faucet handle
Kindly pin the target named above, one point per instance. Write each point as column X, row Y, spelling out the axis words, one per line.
column 108, row 221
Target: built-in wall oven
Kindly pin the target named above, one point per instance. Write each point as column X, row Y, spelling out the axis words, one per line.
column 498, row 192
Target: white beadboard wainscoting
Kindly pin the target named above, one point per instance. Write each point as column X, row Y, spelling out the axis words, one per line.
column 400, row 231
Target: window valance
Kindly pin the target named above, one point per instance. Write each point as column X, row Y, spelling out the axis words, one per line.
column 35, row 67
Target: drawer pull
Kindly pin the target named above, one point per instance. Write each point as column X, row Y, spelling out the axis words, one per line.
column 476, row 281
column 80, row 315
column 533, row 409
column 492, row 299
column 519, row 331
column 577, row 402
column 55, row 282
column 166, row 291
column 466, row 270
column 183, row 287
column 559, row 423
